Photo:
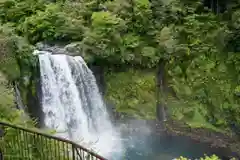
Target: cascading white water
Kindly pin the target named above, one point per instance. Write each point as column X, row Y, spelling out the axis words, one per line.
column 72, row 104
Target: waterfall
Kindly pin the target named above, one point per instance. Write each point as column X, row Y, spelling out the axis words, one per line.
column 72, row 104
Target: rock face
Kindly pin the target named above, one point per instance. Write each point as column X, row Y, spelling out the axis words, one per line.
column 71, row 49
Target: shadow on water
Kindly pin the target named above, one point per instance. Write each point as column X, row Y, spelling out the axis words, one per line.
column 141, row 143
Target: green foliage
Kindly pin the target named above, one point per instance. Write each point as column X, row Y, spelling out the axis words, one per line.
column 213, row 157
column 104, row 39
column 200, row 72
column 14, row 50
column 51, row 24
column 133, row 92
column 8, row 64
column 15, row 11
column 6, row 99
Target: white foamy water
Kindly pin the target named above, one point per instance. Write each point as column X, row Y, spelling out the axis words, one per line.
column 73, row 106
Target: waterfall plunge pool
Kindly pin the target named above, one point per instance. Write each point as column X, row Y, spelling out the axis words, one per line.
column 142, row 143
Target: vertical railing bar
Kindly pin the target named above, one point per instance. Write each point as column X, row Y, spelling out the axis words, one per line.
column 9, row 147
column 18, row 141
column 58, row 150
column 55, row 149
column 73, row 152
column 2, row 149
column 15, row 145
column 37, row 139
column 20, row 144
column 34, row 143
column 46, row 148
column 83, row 154
column 39, row 153
column 42, row 147
column 30, row 144
column 63, row 150
column 8, row 154
column 68, row 152
column 27, row 144
column 23, row 144
column 50, row 141
column 6, row 145
column 50, row 149
column 12, row 146
column 51, row 146
column 45, row 139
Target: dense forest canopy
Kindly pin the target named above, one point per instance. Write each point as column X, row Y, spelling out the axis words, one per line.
column 198, row 41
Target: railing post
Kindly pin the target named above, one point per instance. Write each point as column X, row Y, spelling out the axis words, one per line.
column 1, row 138
column 73, row 151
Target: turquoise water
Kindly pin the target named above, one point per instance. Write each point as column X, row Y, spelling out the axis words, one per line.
column 157, row 147
column 144, row 145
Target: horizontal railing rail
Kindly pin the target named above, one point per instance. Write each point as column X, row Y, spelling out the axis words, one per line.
column 18, row 143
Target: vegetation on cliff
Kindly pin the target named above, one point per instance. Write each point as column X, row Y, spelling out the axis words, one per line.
column 198, row 41
column 214, row 157
column 133, row 92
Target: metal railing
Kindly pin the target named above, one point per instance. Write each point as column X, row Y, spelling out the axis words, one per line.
column 18, row 143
